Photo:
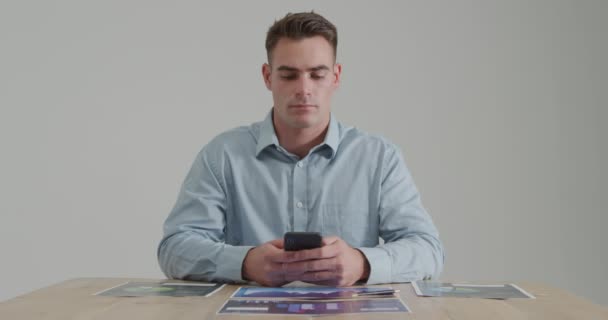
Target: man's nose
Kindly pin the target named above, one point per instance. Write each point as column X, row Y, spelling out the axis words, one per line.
column 304, row 86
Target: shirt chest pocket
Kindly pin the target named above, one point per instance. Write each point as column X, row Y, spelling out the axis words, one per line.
column 354, row 224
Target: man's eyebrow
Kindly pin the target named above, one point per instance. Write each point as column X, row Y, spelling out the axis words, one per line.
column 292, row 69
column 319, row 68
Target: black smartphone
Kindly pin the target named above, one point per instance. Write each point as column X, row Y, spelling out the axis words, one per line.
column 295, row 241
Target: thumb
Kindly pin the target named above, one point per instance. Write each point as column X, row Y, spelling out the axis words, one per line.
column 330, row 240
column 278, row 243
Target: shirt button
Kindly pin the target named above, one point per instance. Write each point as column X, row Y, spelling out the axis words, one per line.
column 300, row 164
column 299, row 204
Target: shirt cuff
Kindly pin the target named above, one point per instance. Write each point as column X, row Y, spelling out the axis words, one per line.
column 379, row 265
column 230, row 262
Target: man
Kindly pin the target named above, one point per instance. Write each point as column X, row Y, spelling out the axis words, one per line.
column 300, row 170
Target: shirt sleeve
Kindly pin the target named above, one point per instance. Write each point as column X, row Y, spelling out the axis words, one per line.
column 412, row 249
column 193, row 246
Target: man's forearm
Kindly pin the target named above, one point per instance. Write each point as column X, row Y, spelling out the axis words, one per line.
column 408, row 259
column 189, row 255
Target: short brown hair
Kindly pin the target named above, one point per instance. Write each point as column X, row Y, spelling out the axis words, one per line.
column 301, row 25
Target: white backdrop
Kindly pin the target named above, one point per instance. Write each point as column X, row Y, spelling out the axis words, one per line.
column 500, row 107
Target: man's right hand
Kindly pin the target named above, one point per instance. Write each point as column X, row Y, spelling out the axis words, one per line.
column 262, row 264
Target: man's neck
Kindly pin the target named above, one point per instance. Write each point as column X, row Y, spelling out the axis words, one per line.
column 299, row 141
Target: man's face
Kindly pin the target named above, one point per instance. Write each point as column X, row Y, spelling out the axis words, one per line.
column 302, row 77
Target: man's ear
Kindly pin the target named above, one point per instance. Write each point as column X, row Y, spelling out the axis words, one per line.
column 337, row 74
column 266, row 74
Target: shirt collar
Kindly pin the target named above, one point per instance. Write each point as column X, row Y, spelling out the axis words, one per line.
column 268, row 137
column 332, row 138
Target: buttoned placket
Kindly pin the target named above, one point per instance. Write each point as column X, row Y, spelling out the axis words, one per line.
column 300, row 205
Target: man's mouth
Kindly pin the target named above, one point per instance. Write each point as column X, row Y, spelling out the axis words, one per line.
column 302, row 106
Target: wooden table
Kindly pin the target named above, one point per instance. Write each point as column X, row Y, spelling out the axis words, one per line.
column 74, row 299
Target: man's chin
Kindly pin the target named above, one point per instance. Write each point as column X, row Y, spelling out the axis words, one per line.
column 304, row 122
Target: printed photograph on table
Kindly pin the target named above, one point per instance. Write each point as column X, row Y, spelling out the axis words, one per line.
column 488, row 291
column 287, row 307
column 168, row 289
column 321, row 293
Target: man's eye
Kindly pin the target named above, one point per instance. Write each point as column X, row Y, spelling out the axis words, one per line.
column 289, row 77
column 317, row 76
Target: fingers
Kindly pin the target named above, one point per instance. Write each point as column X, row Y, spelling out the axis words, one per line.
column 335, row 282
column 274, row 252
column 262, row 266
column 314, row 277
column 301, row 267
column 325, row 252
column 324, row 278
column 275, row 273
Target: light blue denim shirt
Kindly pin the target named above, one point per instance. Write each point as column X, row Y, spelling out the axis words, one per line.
column 244, row 189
